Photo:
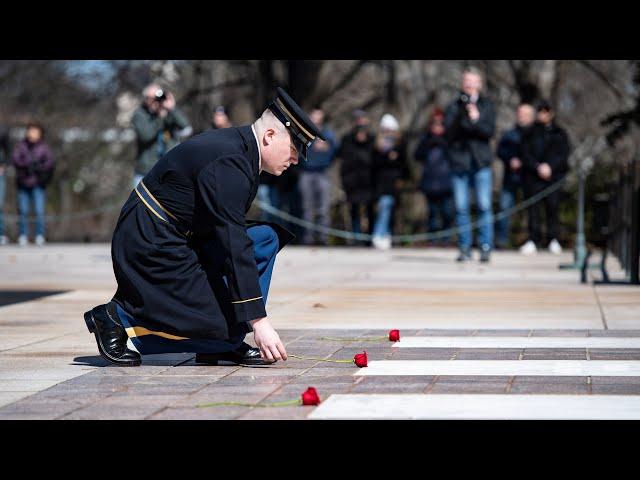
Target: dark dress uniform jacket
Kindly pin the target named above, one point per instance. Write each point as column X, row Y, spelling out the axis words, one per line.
column 195, row 277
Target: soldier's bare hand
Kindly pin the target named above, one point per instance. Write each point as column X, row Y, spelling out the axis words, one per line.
column 268, row 340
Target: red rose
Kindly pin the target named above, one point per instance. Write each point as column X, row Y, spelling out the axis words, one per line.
column 394, row 335
column 310, row 397
column 360, row 359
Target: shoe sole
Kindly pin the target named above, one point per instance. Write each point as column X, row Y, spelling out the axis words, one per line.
column 91, row 326
column 229, row 363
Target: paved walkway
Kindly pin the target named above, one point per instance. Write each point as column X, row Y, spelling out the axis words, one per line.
column 493, row 324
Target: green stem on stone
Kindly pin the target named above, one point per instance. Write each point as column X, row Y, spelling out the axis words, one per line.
column 242, row 404
column 362, row 339
column 320, row 359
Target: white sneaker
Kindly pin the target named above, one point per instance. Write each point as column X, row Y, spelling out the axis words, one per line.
column 4, row 240
column 381, row 243
column 23, row 241
column 40, row 241
column 528, row 248
column 554, row 247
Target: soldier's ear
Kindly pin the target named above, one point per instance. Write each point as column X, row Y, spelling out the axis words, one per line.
column 268, row 136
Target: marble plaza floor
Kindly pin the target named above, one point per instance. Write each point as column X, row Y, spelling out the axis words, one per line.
column 517, row 338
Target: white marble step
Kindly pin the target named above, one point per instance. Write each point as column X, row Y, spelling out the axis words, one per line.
column 478, row 407
column 519, row 342
column 574, row 368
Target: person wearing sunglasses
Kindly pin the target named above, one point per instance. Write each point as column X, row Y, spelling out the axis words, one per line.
column 545, row 153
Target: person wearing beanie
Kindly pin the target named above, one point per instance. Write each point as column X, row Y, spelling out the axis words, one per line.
column 390, row 169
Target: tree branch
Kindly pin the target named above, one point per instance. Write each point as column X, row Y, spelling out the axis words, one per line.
column 598, row 73
column 344, row 81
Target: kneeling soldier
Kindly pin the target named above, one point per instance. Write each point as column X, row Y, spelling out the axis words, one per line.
column 193, row 275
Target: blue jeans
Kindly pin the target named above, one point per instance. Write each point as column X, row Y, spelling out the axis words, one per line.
column 462, row 182
column 3, row 189
column 440, row 214
column 26, row 196
column 315, row 189
column 507, row 200
column 382, row 226
column 265, row 248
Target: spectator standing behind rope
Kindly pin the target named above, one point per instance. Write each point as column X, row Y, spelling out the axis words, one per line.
column 284, row 195
column 356, row 172
column 546, row 160
column 510, row 152
column 315, row 184
column 435, row 183
column 390, row 169
column 220, row 119
column 159, row 127
column 4, row 160
column 470, row 123
column 34, row 163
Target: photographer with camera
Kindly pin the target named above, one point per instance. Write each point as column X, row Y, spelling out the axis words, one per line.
column 469, row 124
column 159, row 127
column 34, row 165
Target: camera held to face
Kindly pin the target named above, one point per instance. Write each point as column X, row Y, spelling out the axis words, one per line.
column 160, row 95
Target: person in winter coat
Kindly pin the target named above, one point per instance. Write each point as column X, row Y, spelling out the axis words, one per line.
column 4, row 160
column 510, row 152
column 390, row 169
column 159, row 126
column 356, row 149
column 34, row 163
column 470, row 123
column 315, row 182
column 435, row 182
column 545, row 154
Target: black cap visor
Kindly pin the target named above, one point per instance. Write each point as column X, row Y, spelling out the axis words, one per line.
column 300, row 141
column 301, row 144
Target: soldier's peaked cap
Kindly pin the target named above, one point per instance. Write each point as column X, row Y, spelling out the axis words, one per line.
column 302, row 130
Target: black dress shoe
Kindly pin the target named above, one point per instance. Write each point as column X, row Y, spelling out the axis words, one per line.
column 243, row 355
column 111, row 337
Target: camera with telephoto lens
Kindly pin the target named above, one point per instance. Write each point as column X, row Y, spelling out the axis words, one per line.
column 464, row 99
column 160, row 95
